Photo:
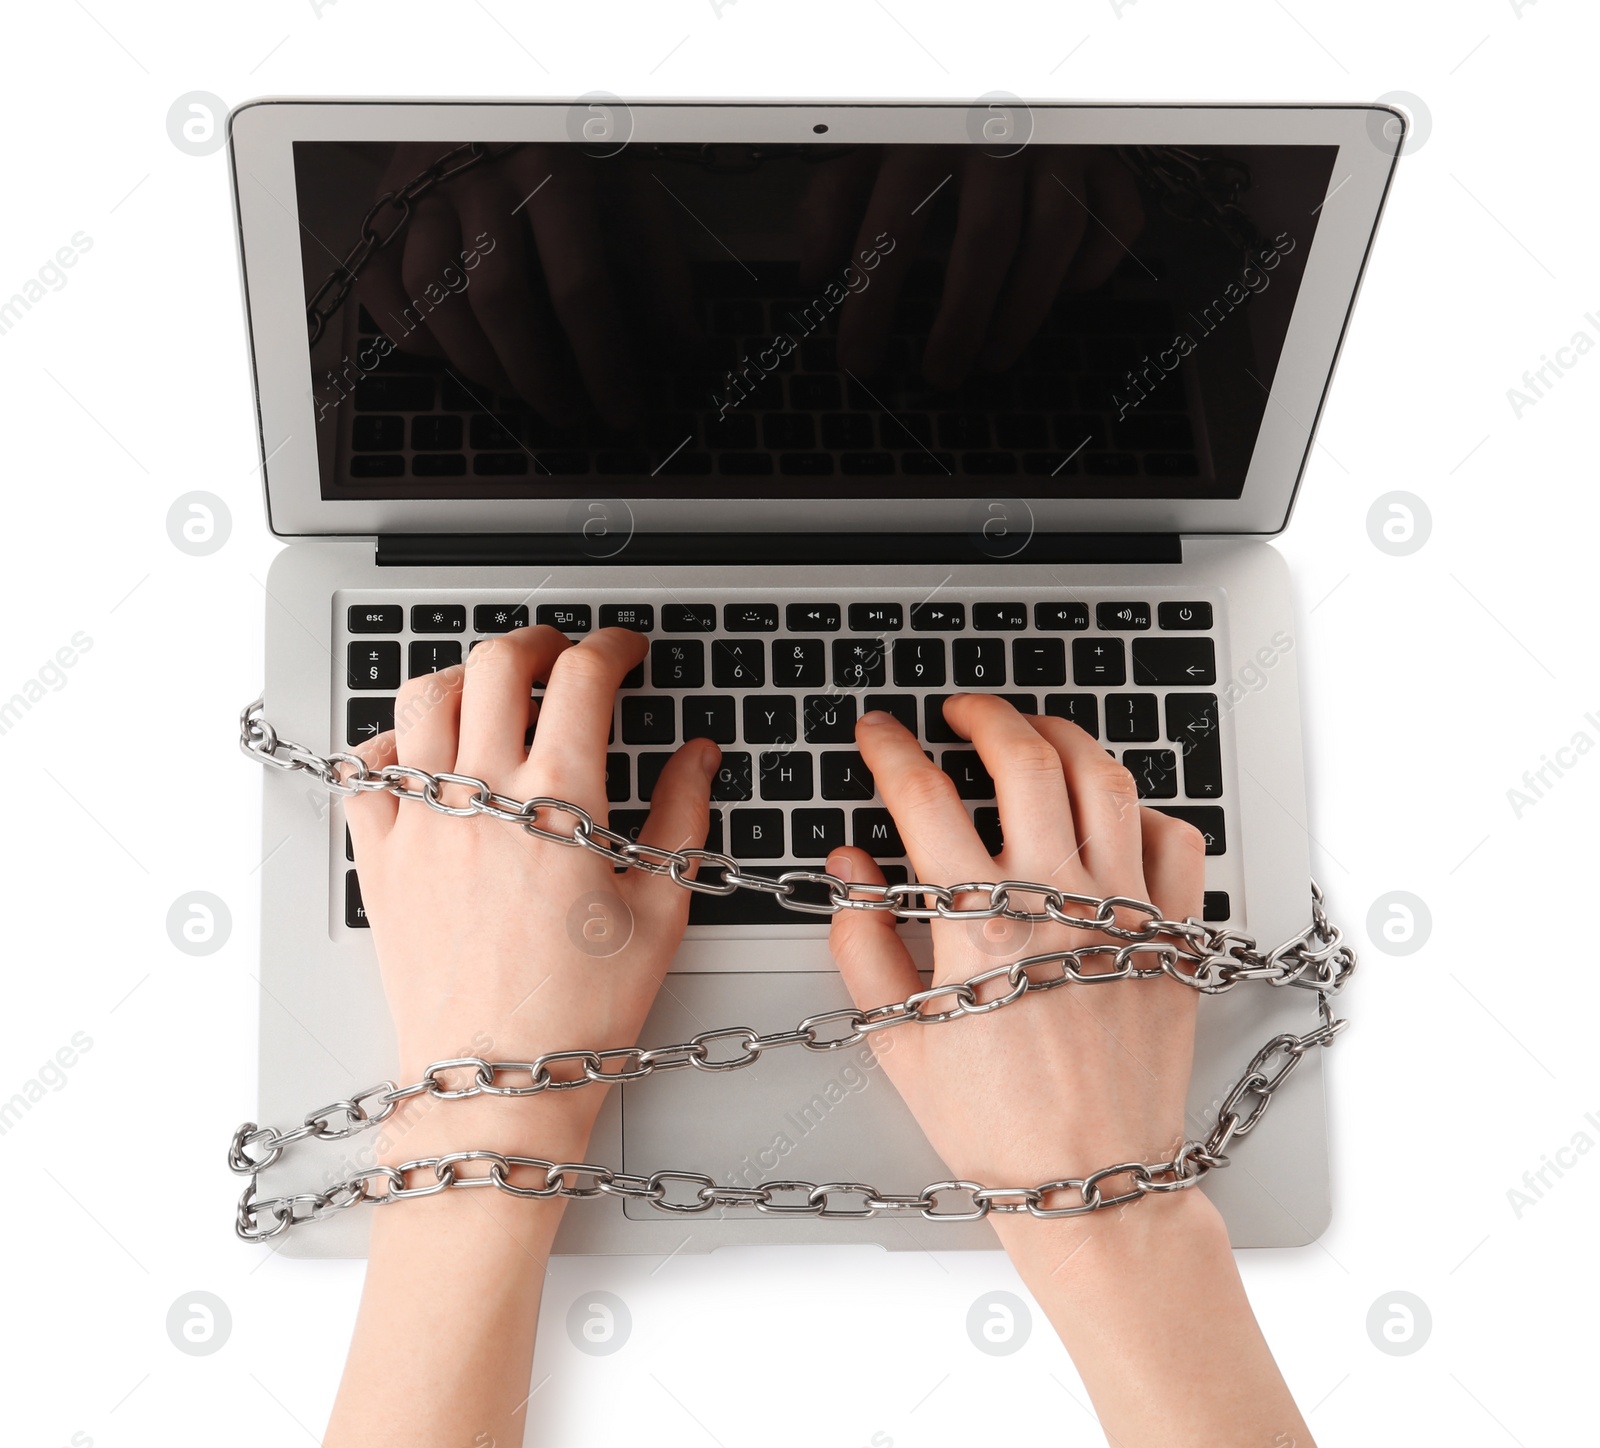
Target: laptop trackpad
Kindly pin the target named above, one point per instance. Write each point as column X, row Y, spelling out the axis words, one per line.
column 819, row 1116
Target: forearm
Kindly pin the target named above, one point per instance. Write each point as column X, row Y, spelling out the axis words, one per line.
column 442, row 1354
column 1148, row 1302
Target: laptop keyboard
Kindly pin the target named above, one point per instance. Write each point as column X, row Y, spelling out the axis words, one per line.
column 415, row 418
column 779, row 684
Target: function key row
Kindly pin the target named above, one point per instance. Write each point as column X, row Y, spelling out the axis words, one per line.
column 927, row 617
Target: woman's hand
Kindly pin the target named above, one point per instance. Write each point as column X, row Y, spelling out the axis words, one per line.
column 1074, row 1079
column 490, row 940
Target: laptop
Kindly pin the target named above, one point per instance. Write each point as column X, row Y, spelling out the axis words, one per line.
column 845, row 406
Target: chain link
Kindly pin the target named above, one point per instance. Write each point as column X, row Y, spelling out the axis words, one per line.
column 1209, row 961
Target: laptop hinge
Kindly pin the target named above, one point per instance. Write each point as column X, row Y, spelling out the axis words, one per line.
column 433, row 550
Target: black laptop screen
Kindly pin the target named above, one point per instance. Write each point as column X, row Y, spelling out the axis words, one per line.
column 820, row 320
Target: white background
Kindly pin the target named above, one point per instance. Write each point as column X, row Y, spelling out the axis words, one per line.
column 1431, row 683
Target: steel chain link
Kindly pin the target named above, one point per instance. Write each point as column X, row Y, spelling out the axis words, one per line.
column 1209, row 961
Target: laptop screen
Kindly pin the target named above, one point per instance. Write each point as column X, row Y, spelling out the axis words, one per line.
column 546, row 320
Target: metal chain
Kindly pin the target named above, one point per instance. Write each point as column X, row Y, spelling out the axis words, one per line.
column 334, row 292
column 1209, row 961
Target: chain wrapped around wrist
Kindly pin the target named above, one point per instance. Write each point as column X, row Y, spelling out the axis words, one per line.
column 1209, row 961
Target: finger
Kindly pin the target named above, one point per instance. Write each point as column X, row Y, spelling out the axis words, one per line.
column 988, row 227
column 1173, row 859
column 497, row 699
column 1052, row 236
column 896, row 217
column 680, row 815
column 1105, row 801
column 873, row 960
column 834, row 201
column 513, row 314
column 434, row 282
column 427, row 720
column 569, row 751
column 1029, row 784
column 1116, row 217
column 564, row 212
column 371, row 814
column 940, row 841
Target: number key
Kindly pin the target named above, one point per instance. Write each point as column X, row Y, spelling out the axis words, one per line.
column 979, row 663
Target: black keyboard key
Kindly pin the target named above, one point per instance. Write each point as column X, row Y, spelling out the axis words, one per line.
column 1023, row 703
column 1184, row 615
column 650, row 767
column 376, row 618
column 1132, row 718
column 750, row 617
column 858, row 663
column 570, row 618
column 733, row 780
column 1061, row 617
column 939, row 617
column 1122, row 617
column 1154, row 771
column 1193, row 725
column 986, row 820
column 919, row 663
column 438, row 618
column 628, row 822
column 436, row 433
column 647, row 719
column 425, row 656
column 755, row 834
column 816, row 832
column 640, row 617
column 374, row 666
column 738, row 663
column 493, row 618
column 978, row 663
column 847, row 430
column 1216, row 908
column 786, row 774
column 349, row 845
column 355, row 913
column 706, row 716
column 799, row 663
column 634, row 678
column 785, row 430
column 811, row 618
column 845, row 776
column 617, row 787
column 688, row 617
column 1000, row 617
column 1174, row 661
column 396, row 392
column 875, row 617
column 829, row 718
column 966, row 771
column 677, row 664
column 874, row 831
column 770, row 719
column 1082, row 709
column 1207, row 818
column 366, row 719
column 935, row 728
column 1040, row 661
column 902, row 706
column 1099, row 661
column 748, row 907
column 378, row 434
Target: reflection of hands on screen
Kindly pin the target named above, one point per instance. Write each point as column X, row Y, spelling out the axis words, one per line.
column 540, row 313
column 1028, row 227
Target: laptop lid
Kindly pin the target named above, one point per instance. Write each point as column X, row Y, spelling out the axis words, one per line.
column 764, row 317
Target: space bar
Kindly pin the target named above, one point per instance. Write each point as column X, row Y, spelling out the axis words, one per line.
column 752, row 907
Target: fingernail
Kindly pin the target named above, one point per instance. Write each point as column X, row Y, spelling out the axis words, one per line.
column 877, row 716
column 710, row 758
column 839, row 865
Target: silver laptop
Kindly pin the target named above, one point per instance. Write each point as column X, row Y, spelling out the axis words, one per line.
column 845, row 406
